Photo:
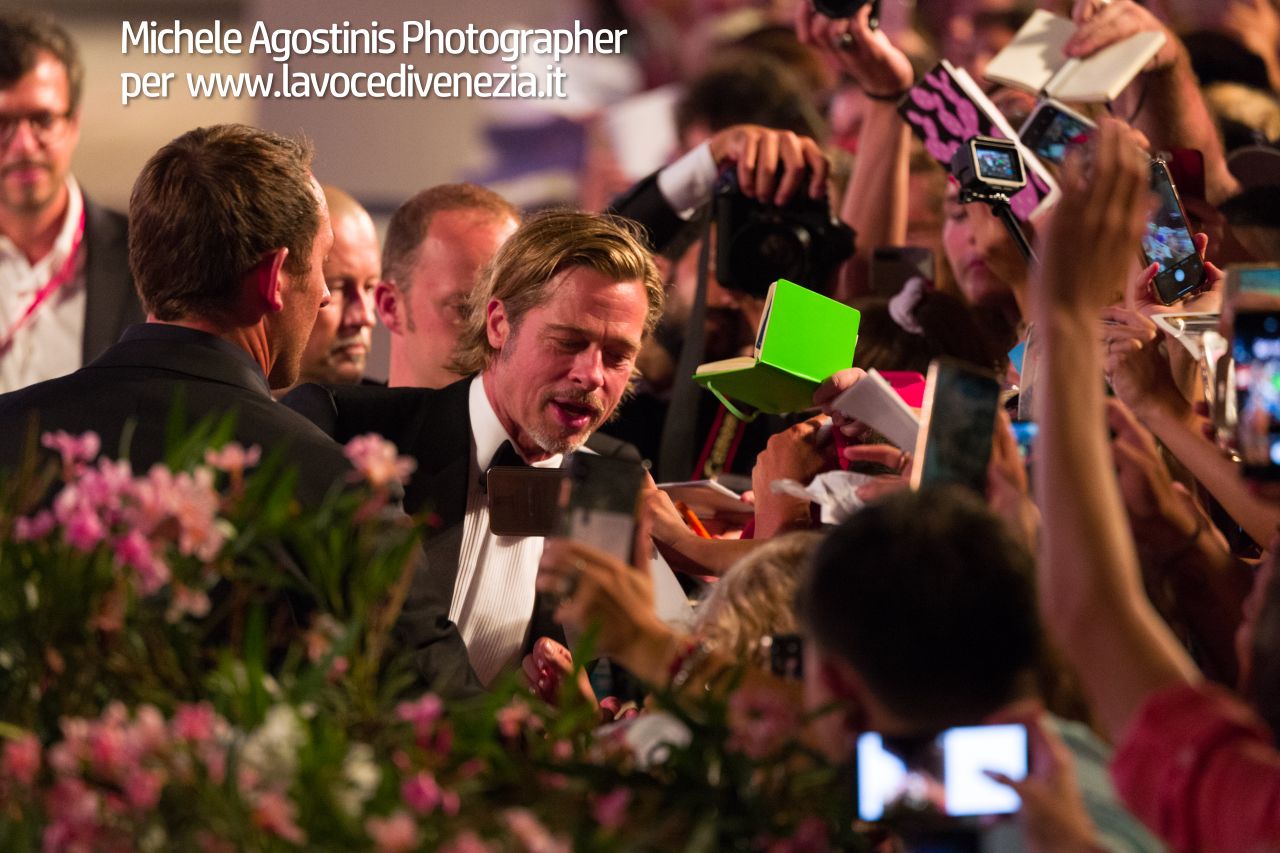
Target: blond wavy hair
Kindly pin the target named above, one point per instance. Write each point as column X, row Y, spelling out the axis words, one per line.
column 546, row 245
column 756, row 598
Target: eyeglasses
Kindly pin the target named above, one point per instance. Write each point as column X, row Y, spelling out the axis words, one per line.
column 45, row 126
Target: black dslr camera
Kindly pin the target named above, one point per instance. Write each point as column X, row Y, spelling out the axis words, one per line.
column 757, row 243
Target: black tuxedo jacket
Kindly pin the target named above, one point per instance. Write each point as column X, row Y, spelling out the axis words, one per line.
column 154, row 367
column 111, row 303
column 434, row 427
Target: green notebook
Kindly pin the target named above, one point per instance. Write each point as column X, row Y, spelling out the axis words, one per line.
column 804, row 337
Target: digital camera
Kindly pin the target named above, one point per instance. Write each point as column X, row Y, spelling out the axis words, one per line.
column 759, row 243
column 986, row 164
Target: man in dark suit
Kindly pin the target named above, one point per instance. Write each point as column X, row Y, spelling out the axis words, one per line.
column 65, row 289
column 231, row 232
column 550, row 340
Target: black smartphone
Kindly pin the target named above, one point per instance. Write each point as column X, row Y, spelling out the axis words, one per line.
column 1052, row 130
column 893, row 266
column 1255, row 348
column 943, row 776
column 523, row 501
column 1168, row 242
column 956, row 424
column 599, row 500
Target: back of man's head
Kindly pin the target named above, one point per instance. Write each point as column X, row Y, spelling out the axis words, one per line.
column 412, row 220
column 208, row 207
column 24, row 37
column 931, row 600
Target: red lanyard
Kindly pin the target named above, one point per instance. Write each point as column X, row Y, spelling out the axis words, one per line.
column 61, row 277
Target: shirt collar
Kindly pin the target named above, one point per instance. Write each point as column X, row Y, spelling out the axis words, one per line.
column 487, row 432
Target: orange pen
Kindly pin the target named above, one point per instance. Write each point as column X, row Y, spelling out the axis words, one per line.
column 691, row 519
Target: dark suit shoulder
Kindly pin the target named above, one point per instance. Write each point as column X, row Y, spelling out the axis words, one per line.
column 397, row 414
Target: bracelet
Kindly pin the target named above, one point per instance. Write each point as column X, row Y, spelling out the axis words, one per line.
column 691, row 656
column 891, row 98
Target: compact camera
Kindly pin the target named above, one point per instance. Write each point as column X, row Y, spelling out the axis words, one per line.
column 986, row 165
column 759, row 243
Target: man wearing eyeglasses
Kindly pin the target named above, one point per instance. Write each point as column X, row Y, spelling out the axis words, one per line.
column 65, row 289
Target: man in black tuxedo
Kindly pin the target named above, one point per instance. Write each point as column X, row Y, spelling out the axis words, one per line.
column 65, row 289
column 230, row 235
column 550, row 341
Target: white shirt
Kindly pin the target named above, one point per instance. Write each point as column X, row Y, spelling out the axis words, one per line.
column 493, row 607
column 493, row 595
column 51, row 343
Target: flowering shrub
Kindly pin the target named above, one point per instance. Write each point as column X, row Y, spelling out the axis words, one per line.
column 154, row 696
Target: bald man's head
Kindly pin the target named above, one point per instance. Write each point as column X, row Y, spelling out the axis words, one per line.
column 339, row 343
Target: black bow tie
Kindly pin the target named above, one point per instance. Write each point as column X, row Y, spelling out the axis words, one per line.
column 506, row 457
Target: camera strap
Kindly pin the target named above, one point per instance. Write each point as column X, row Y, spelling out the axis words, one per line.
column 675, row 454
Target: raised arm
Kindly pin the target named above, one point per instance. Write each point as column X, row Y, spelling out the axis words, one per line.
column 1091, row 592
column 875, row 202
column 1166, row 96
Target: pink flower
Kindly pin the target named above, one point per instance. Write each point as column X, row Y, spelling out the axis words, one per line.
column 37, row 526
column 760, row 721
column 466, row 842
column 394, row 834
column 531, row 834
column 233, row 458
column 73, row 449
column 109, row 751
column 423, row 713
column 142, row 788
column 610, row 810
column 512, row 718
column 134, row 550
column 187, row 601
column 21, row 759
column 421, row 793
column 195, row 723
column 150, row 734
column 276, row 814
column 84, row 529
column 375, row 460
column 450, row 802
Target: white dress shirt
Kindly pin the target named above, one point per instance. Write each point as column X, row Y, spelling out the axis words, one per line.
column 493, row 607
column 51, row 343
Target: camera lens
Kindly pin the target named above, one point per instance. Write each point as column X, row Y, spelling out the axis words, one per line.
column 770, row 251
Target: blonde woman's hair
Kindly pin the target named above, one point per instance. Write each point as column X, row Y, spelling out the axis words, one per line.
column 756, row 597
column 543, row 247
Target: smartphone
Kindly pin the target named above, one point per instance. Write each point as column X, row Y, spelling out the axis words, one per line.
column 1256, row 350
column 599, row 500
column 940, row 776
column 523, row 501
column 1052, row 130
column 1250, row 286
column 956, row 425
column 1167, row 241
column 893, row 266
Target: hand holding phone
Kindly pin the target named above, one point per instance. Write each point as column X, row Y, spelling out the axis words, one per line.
column 956, row 426
column 1168, row 241
column 948, row 775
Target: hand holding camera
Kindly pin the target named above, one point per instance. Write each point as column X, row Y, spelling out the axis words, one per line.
column 863, row 52
column 771, row 165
